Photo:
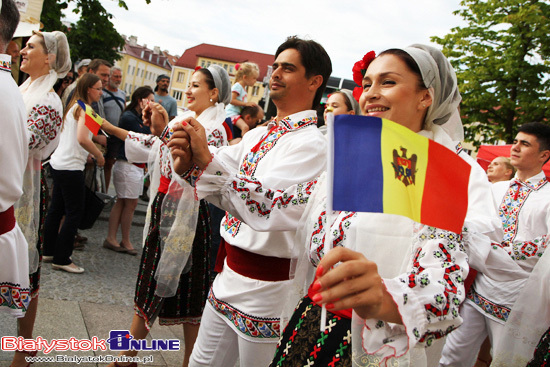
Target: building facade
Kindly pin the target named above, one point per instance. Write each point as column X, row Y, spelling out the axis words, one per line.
column 141, row 65
column 204, row 55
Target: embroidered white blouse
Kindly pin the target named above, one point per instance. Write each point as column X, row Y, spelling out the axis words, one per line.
column 423, row 267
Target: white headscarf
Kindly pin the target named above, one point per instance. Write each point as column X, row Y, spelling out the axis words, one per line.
column 222, row 83
column 59, row 58
column 354, row 104
column 440, row 79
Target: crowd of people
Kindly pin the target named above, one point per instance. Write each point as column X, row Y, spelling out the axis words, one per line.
column 253, row 199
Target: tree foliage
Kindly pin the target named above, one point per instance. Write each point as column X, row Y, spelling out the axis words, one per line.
column 93, row 35
column 502, row 60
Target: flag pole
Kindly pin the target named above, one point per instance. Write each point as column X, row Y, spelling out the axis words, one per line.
column 329, row 215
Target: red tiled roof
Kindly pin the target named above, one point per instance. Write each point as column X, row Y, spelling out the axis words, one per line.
column 235, row 55
column 156, row 59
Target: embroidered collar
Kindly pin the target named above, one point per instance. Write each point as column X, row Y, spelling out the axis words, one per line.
column 534, row 183
column 5, row 62
column 296, row 120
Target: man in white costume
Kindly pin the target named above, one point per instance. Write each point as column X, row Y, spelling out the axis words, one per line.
column 523, row 205
column 241, row 318
column 14, row 258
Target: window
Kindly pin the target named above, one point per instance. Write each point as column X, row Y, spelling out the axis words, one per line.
column 133, row 69
column 225, row 67
column 177, row 94
column 142, row 73
column 255, row 90
column 129, row 68
column 208, row 64
column 180, row 77
column 203, row 63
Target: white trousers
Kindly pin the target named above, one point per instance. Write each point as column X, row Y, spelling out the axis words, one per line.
column 462, row 345
column 219, row 345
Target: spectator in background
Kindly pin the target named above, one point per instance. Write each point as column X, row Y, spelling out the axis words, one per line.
column 62, row 83
column 251, row 116
column 161, row 96
column 13, row 50
column 500, row 169
column 127, row 177
column 246, row 76
column 81, row 69
column 114, row 102
column 339, row 103
column 67, row 165
column 102, row 69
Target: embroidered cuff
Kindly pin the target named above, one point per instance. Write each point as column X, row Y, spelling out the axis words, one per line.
column 166, row 134
column 213, row 178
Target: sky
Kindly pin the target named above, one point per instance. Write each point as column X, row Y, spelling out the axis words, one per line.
column 347, row 29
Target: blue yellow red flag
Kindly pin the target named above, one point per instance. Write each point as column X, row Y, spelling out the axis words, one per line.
column 383, row 167
column 92, row 120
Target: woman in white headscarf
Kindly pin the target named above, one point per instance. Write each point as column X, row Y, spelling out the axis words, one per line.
column 174, row 275
column 398, row 284
column 46, row 58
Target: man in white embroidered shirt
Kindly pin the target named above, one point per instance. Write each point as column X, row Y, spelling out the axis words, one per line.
column 14, row 258
column 523, row 205
column 241, row 317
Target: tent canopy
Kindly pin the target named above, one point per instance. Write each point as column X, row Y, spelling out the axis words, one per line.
column 487, row 153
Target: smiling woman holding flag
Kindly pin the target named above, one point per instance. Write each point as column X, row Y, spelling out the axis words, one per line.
column 402, row 280
column 67, row 163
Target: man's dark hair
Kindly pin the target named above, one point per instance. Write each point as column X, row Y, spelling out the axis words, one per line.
column 540, row 131
column 164, row 76
column 9, row 19
column 314, row 58
column 96, row 63
column 250, row 110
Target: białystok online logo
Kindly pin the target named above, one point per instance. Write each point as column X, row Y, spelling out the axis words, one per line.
column 118, row 340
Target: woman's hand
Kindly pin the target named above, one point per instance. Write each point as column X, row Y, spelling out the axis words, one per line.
column 354, row 283
column 100, row 161
column 188, row 143
column 156, row 117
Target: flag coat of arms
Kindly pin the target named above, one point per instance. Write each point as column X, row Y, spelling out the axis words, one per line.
column 92, row 120
column 383, row 167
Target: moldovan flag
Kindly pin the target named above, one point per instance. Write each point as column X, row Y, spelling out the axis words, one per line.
column 92, row 120
column 383, row 167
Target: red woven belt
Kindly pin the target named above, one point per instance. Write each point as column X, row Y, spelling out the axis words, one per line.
column 7, row 220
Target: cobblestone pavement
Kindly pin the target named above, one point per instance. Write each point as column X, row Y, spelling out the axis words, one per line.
column 95, row 302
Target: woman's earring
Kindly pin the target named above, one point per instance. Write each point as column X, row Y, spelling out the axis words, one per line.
column 211, row 100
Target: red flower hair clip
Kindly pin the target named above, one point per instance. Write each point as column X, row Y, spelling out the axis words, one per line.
column 359, row 69
column 197, row 68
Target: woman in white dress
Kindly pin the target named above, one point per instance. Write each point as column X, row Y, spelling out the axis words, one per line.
column 46, row 58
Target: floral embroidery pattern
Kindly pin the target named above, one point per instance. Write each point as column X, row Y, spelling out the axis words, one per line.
column 14, row 297
column 231, row 224
column 251, row 160
column 317, row 240
column 525, row 250
column 44, row 124
column 447, row 302
column 263, row 328
column 490, row 308
column 511, row 206
column 215, row 138
column 277, row 198
column 5, row 65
